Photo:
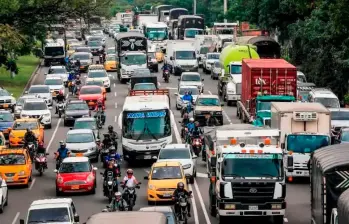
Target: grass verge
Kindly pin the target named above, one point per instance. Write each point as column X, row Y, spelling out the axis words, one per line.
column 26, row 65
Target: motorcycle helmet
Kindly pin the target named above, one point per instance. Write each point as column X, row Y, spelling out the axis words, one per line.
column 191, row 119
column 60, row 92
column 62, row 143
column 129, row 171
column 110, row 128
column 77, row 76
column 185, row 116
column 41, row 144
column 180, row 186
column 118, row 195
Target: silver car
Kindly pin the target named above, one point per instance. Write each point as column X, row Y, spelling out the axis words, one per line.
column 82, row 142
column 41, row 91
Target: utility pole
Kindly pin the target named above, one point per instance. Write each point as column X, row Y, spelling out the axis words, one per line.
column 194, row 7
column 225, row 9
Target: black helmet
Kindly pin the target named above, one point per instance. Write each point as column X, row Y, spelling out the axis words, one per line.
column 28, row 129
column 110, row 128
column 180, row 186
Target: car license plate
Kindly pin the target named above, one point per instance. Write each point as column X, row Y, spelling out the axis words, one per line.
column 147, row 157
column 90, row 103
column 253, row 207
column 167, row 195
column 9, row 179
column 79, row 154
column 5, row 106
column 81, row 66
column 75, row 187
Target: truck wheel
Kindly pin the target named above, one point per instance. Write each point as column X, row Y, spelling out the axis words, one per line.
column 212, row 208
column 230, row 103
column 278, row 219
column 223, row 219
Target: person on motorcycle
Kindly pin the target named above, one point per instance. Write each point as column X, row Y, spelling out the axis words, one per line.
column 99, row 106
column 107, row 142
column 60, row 98
column 77, row 63
column 113, row 155
column 176, row 194
column 111, row 169
column 62, row 151
column 41, row 149
column 130, row 181
column 190, row 125
column 29, row 136
column 196, row 132
column 77, row 83
column 185, row 121
column 187, row 97
column 116, row 203
column 211, row 120
column 113, row 135
column 164, row 68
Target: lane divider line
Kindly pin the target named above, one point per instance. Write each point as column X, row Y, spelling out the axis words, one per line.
column 115, row 118
column 114, row 84
column 115, row 94
column 195, row 211
column 202, row 203
column 32, row 183
column 285, row 220
column 15, row 218
column 116, row 105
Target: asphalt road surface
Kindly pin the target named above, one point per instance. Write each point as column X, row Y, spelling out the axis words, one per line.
column 298, row 199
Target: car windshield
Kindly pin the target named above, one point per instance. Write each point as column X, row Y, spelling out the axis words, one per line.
column 54, row 51
column 166, row 172
column 20, row 102
column 23, row 125
column 185, row 55
column 39, row 89
column 137, row 59
column 81, row 57
column 145, row 72
column 83, row 49
column 94, row 83
column 213, row 56
column 48, row 215
column 174, row 154
column 110, row 58
column 6, row 117
column 4, row 92
column 146, row 125
column 306, row 143
column 77, row 167
column 77, row 106
column 57, row 71
column 252, row 165
column 79, row 138
column 144, row 86
column 97, row 74
column 204, row 50
column 340, row 115
column 191, row 78
column 157, row 33
column 53, row 82
column 217, row 64
column 94, row 44
column 194, row 91
column 345, row 136
column 12, row 159
column 35, row 106
column 111, row 50
column 207, row 102
column 235, row 69
column 328, row 102
column 193, row 33
column 90, row 91
column 85, row 125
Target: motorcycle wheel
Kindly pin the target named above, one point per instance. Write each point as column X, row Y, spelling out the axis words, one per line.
column 41, row 171
column 59, row 114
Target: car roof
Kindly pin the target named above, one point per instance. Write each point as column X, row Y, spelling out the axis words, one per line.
column 176, row 146
column 44, row 86
column 26, row 120
column 75, row 159
column 167, row 163
column 81, row 53
column 187, row 87
column 190, row 73
column 208, row 96
column 5, row 112
column 85, row 119
column 57, row 201
column 79, row 131
column 96, row 70
column 54, row 77
column 35, row 100
column 57, row 66
column 76, row 101
column 156, row 209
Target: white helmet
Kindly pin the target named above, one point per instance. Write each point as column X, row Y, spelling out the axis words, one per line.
column 191, row 119
column 117, row 194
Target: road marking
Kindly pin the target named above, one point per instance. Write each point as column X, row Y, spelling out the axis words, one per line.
column 195, row 210
column 178, row 136
column 202, row 203
column 202, row 175
column 285, row 220
column 115, row 94
column 159, row 84
column 115, row 118
column 114, row 84
column 32, row 184
column 15, row 219
column 223, row 111
column 53, row 135
column 116, row 105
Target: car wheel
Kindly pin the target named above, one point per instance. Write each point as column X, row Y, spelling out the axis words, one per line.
column 93, row 189
column 191, row 180
column 2, row 206
column 108, row 90
column 6, row 202
column 177, row 107
column 65, row 123
column 58, row 193
column 49, row 126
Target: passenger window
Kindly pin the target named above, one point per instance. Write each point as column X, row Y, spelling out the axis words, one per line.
column 73, row 208
column 71, row 214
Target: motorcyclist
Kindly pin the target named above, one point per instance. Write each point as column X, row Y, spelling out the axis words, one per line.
column 130, row 181
column 29, row 136
column 99, row 107
column 77, row 83
column 113, row 135
column 185, row 121
column 191, row 125
column 77, row 63
column 211, row 120
column 196, row 132
column 187, row 97
column 62, row 151
column 41, row 149
column 116, row 203
column 176, row 194
column 60, row 98
column 107, row 142
column 113, row 155
column 112, row 170
column 164, row 68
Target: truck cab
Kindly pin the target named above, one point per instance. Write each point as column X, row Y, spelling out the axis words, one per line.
column 248, row 178
column 232, row 88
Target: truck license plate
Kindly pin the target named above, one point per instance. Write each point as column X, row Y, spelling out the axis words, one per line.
column 147, row 157
column 9, row 179
column 253, row 207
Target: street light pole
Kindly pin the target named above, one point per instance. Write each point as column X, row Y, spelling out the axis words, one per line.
column 194, row 7
column 225, row 9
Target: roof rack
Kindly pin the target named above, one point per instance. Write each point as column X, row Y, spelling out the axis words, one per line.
column 321, row 89
column 149, row 92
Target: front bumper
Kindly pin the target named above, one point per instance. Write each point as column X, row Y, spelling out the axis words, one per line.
column 46, row 120
column 159, row 196
column 202, row 119
column 91, row 154
column 243, row 209
column 179, row 70
column 110, row 68
column 298, row 173
column 75, row 188
column 140, row 154
column 126, row 75
column 233, row 97
column 16, row 180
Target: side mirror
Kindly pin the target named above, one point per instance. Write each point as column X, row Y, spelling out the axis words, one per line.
column 50, row 108
column 98, row 140
column 179, row 79
column 95, row 168
column 101, row 173
column 180, row 122
column 76, row 218
column 202, row 79
column 56, row 171
column 26, row 92
column 176, row 94
column 146, row 178
column 85, row 76
column 290, row 163
column 194, row 156
column 154, row 157
column 71, row 128
column 45, row 74
column 171, row 58
column 21, row 221
column 282, row 146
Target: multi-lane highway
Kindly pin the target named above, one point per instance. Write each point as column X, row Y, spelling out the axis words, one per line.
column 298, row 199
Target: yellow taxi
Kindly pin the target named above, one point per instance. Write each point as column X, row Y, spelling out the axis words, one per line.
column 159, row 55
column 72, row 47
column 111, row 62
column 15, row 166
column 19, row 128
column 2, row 140
column 163, row 179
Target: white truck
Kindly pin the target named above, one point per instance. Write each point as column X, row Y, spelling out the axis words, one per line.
column 231, row 92
column 156, row 33
column 146, row 123
column 54, row 53
column 180, row 54
column 248, row 178
column 305, row 127
column 125, row 17
column 146, row 18
column 203, row 45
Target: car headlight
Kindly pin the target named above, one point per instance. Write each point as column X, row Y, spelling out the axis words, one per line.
column 110, row 182
column 229, row 206
column 186, row 166
column 21, row 173
column 276, row 206
column 151, row 187
column 90, row 178
column 47, row 115
column 59, row 180
column 123, row 71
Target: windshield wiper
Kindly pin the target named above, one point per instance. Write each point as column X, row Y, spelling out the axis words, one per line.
column 233, row 175
column 267, row 175
column 146, row 128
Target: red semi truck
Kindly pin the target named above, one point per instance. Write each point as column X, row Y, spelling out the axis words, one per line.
column 265, row 81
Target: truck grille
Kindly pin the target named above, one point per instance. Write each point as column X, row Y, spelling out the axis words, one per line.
column 10, row 174
column 5, row 101
column 300, row 166
column 238, row 88
column 186, row 67
column 247, row 191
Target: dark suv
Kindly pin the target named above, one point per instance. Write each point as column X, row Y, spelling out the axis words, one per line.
column 75, row 109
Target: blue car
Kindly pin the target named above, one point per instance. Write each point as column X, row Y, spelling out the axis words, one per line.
column 6, row 121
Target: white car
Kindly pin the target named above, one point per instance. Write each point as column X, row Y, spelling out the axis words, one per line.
column 41, row 91
column 209, row 60
column 183, row 154
column 3, row 195
column 191, row 79
column 56, row 85
column 61, row 71
column 182, row 89
column 100, row 75
column 7, row 101
column 20, row 103
column 36, row 108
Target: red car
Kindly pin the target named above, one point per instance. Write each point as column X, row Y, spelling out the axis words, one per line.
column 76, row 174
column 91, row 94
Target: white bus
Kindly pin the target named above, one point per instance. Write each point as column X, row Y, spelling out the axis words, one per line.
column 146, row 123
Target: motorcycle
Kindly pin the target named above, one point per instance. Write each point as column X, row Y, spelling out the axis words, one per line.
column 196, row 144
column 182, row 214
column 166, row 76
column 117, row 204
column 60, row 107
column 40, row 163
column 186, row 108
column 111, row 185
column 129, row 194
column 76, row 89
column 99, row 119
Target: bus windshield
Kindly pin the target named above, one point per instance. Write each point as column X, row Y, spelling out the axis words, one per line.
column 306, row 143
column 157, row 33
column 146, row 125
